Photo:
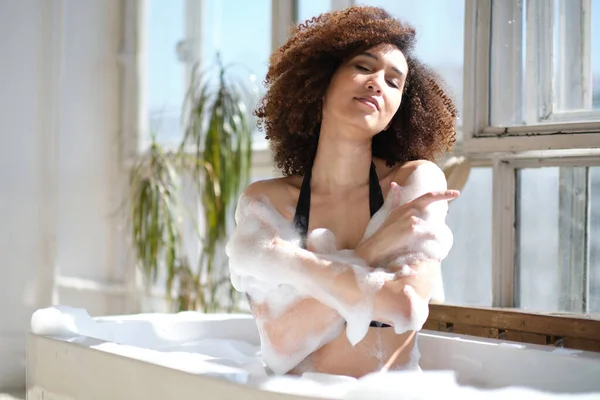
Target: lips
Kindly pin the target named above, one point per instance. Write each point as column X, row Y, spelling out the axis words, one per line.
column 369, row 101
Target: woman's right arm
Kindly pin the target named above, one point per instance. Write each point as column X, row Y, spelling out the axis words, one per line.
column 263, row 265
column 288, row 336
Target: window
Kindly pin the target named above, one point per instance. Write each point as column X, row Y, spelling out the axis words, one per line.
column 538, row 239
column 183, row 33
column 594, row 240
column 239, row 32
column 166, row 74
column 307, row 9
column 534, row 70
column 558, row 239
column 467, row 271
column 530, row 112
column 544, row 51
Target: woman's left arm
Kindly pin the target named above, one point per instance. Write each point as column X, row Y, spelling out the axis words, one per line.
column 411, row 238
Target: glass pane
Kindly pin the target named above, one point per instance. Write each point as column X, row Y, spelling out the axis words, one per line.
column 165, row 73
column 577, row 75
column 443, row 52
column 467, row 270
column 545, row 62
column 558, row 226
column 224, row 24
column 596, row 54
column 311, row 8
column 594, row 264
column 538, row 238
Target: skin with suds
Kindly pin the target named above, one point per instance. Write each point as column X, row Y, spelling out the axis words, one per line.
column 266, row 262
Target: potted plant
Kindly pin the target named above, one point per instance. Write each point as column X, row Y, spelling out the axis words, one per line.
column 214, row 158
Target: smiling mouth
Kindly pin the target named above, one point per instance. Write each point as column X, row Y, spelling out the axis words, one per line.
column 368, row 103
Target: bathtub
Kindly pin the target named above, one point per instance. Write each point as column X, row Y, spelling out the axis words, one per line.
column 197, row 356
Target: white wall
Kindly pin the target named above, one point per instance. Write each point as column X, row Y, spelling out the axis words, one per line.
column 60, row 170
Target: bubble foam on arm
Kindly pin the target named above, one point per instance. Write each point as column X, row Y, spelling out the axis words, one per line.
column 264, row 254
column 289, row 285
column 290, row 337
column 426, row 177
column 418, row 277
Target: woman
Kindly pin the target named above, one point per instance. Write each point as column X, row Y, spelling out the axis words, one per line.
column 352, row 118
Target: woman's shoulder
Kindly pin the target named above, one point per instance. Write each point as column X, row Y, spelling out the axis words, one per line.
column 419, row 172
column 281, row 193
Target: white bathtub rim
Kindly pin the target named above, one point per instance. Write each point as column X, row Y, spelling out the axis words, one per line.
column 184, row 326
column 566, row 352
column 86, row 346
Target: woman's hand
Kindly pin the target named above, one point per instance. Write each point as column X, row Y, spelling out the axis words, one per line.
column 398, row 226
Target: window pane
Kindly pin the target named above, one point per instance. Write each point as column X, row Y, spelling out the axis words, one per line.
column 538, row 239
column 557, row 239
column 311, row 8
column 545, row 62
column 467, row 270
column 239, row 32
column 224, row 23
column 440, row 33
column 594, row 264
column 165, row 73
column 576, row 71
column 596, row 54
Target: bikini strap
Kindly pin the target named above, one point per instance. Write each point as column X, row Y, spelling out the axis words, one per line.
column 302, row 215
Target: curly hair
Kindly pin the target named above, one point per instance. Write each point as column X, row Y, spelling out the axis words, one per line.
column 299, row 75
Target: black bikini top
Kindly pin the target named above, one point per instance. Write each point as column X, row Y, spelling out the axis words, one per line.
column 302, row 215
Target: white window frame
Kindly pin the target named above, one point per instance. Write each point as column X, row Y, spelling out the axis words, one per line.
column 564, row 139
column 485, row 94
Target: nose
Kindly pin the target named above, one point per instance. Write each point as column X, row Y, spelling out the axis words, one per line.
column 373, row 86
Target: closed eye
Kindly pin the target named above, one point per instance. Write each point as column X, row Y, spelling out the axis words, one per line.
column 392, row 84
column 361, row 68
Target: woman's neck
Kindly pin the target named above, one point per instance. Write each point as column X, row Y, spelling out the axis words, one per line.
column 342, row 162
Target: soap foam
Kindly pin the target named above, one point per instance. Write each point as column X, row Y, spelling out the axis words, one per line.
column 238, row 361
column 264, row 259
column 258, row 269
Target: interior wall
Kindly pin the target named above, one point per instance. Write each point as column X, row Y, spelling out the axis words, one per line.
column 60, row 165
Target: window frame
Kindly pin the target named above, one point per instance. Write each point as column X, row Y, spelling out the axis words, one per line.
column 483, row 100
column 563, row 141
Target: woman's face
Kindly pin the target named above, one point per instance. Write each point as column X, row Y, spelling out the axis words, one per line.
column 366, row 90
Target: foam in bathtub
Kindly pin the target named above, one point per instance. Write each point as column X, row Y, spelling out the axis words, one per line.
column 238, row 361
column 406, row 385
column 265, row 260
column 233, row 360
column 234, row 369
column 64, row 321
